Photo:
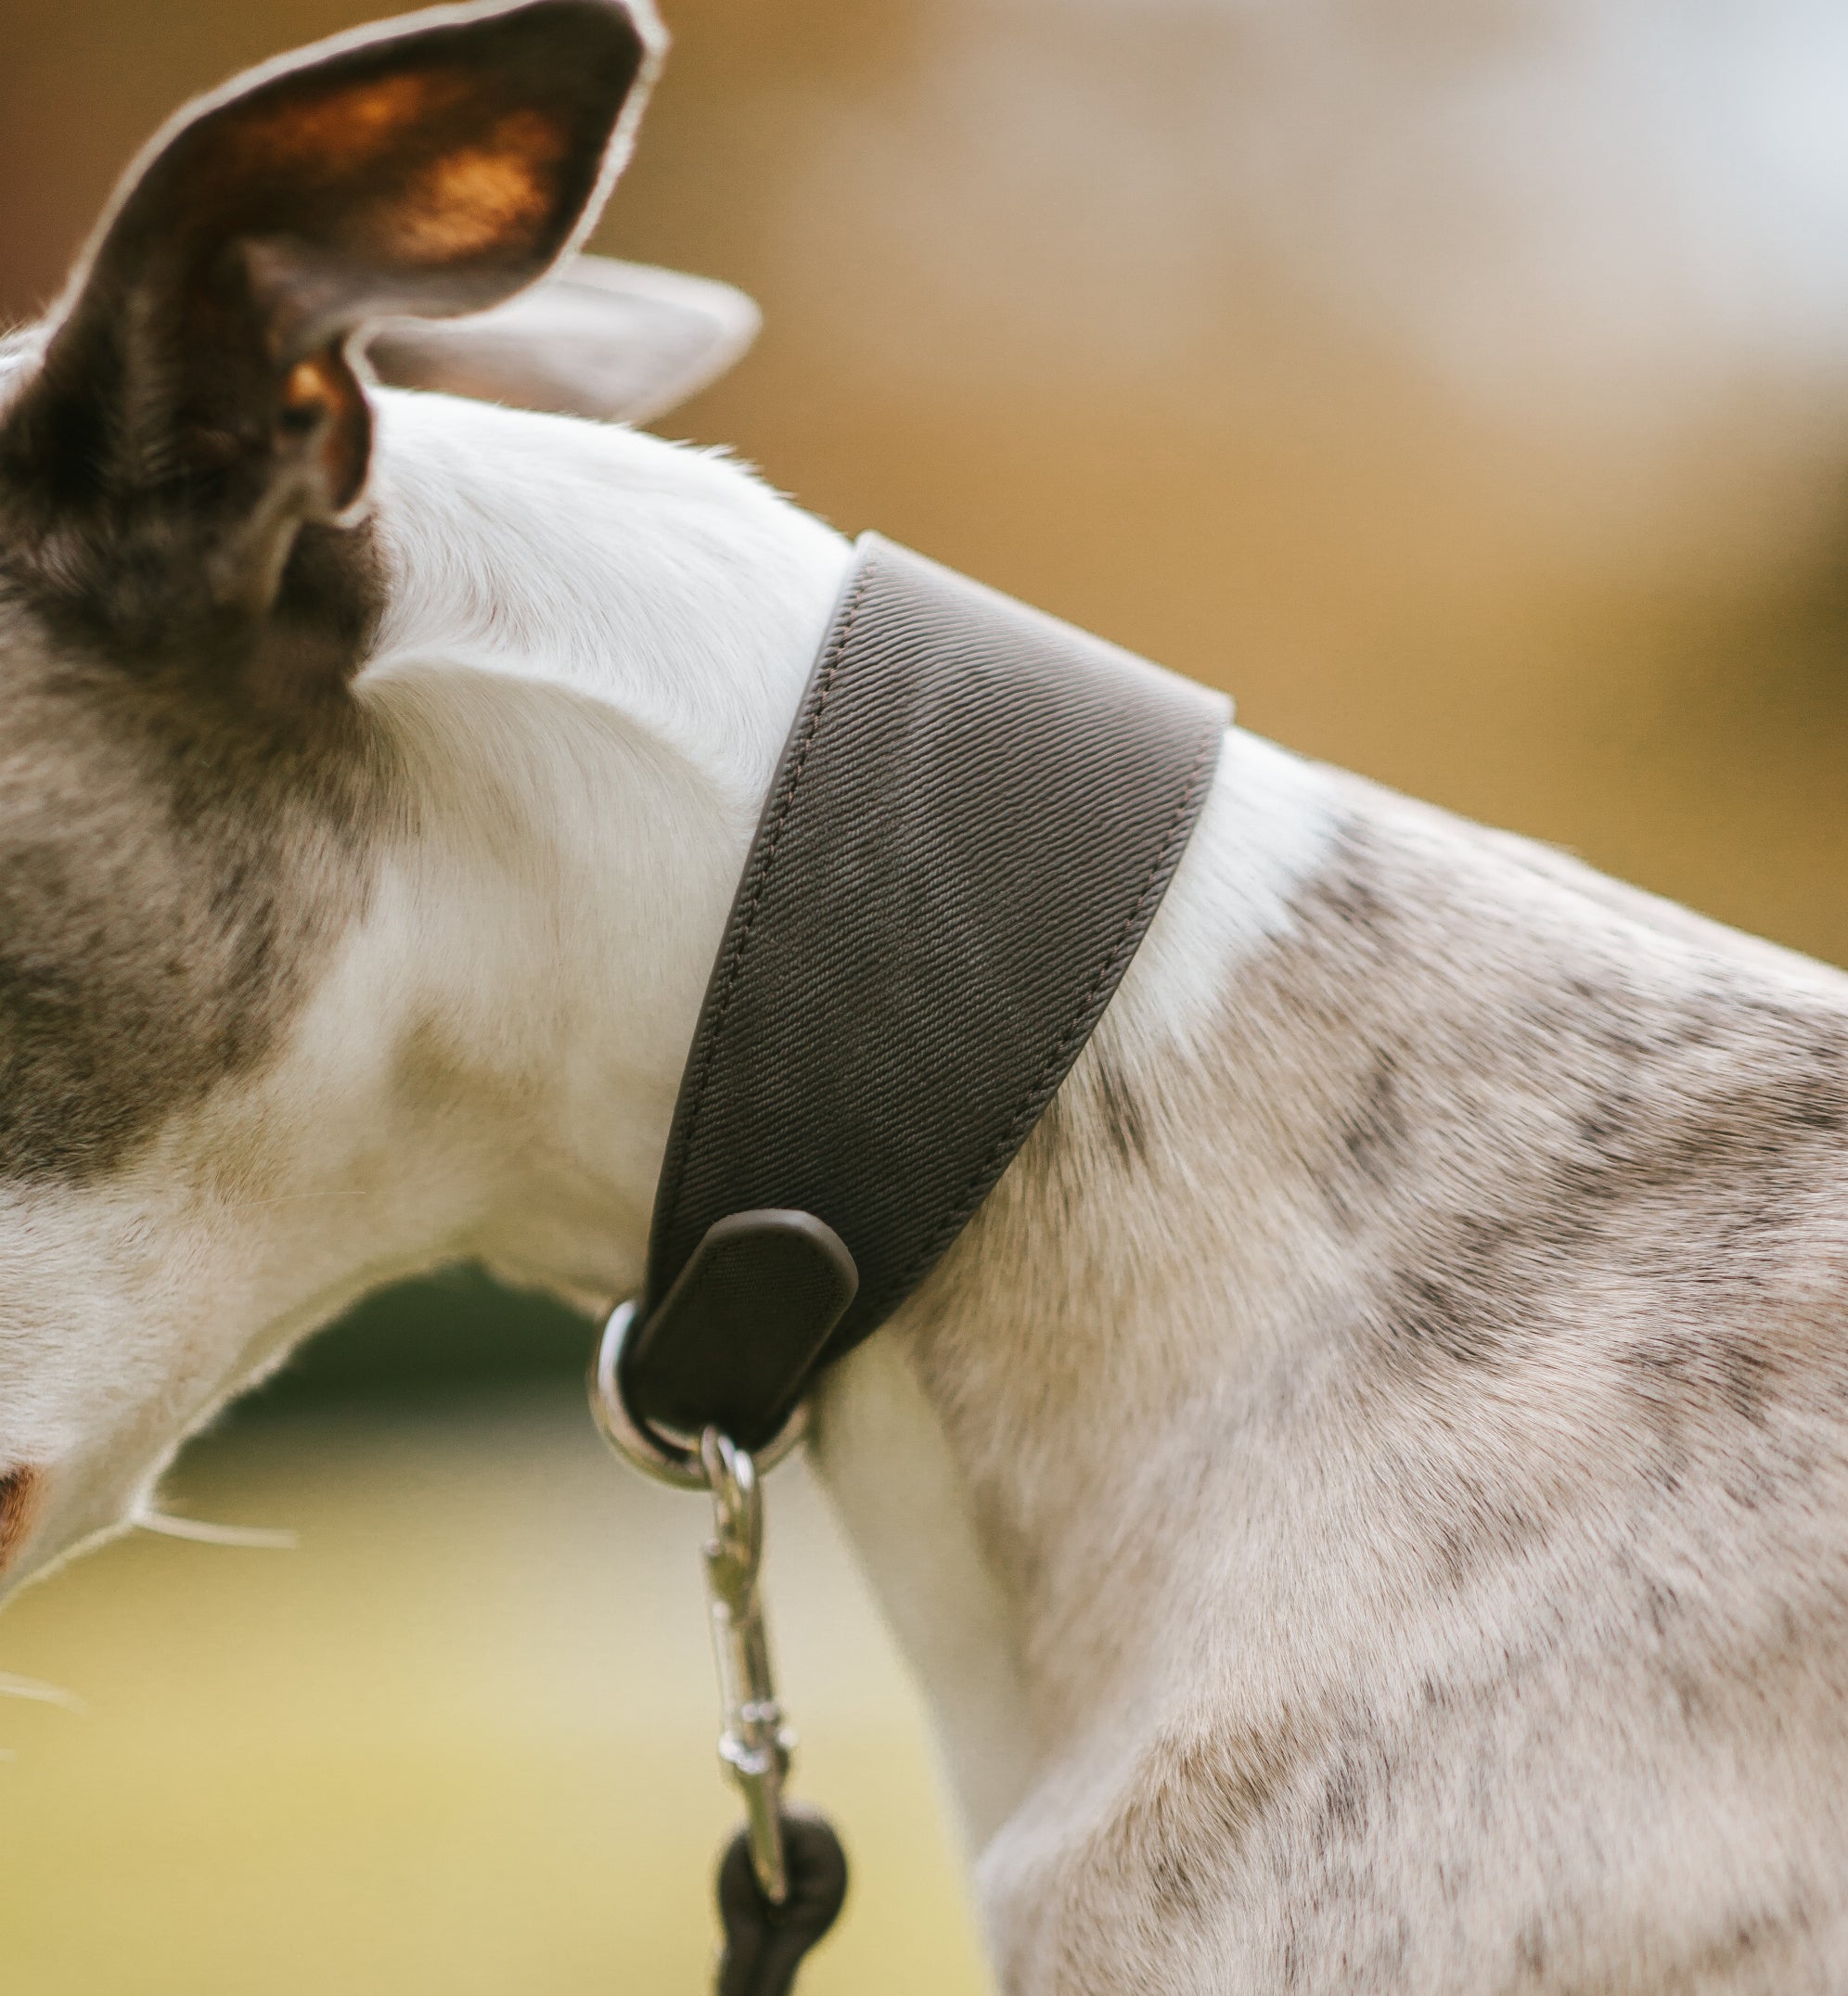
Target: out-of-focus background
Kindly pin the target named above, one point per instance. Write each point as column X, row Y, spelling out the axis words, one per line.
column 1462, row 383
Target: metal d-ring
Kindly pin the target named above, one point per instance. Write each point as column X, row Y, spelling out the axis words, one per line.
column 646, row 1448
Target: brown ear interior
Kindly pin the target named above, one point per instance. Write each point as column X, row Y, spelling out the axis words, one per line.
column 432, row 167
column 427, row 169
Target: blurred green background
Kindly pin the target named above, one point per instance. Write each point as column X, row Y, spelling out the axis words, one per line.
column 1462, row 383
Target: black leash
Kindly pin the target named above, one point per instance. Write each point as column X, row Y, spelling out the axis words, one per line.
column 765, row 1944
column 974, row 820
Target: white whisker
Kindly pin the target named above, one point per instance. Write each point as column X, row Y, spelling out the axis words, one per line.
column 202, row 1532
column 39, row 1692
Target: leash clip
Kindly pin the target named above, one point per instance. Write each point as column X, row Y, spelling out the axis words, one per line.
column 783, row 1877
column 755, row 1745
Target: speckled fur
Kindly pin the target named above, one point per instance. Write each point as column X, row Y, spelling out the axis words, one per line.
column 1451, row 1591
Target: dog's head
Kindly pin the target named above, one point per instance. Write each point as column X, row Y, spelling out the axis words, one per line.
column 188, row 587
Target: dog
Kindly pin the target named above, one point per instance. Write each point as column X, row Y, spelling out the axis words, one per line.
column 1367, row 1495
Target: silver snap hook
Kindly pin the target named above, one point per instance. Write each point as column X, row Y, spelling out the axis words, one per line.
column 755, row 1745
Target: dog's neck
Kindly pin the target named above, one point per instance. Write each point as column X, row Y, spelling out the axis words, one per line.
column 593, row 652
column 595, row 646
column 593, row 649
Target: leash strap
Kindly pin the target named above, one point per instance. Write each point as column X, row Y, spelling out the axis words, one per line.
column 976, row 814
column 765, row 1944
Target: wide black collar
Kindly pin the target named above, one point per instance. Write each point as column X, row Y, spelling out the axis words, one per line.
column 974, row 820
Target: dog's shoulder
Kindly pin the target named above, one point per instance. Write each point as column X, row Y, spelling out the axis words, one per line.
column 1517, row 1215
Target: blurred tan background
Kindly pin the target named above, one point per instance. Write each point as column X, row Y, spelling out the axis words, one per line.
column 1461, row 383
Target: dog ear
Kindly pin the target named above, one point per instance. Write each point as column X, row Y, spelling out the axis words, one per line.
column 620, row 342
column 197, row 399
